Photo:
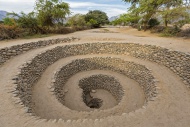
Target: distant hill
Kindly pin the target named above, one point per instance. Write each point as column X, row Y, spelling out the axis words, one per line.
column 2, row 14
column 113, row 18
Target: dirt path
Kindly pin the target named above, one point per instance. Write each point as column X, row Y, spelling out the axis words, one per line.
column 171, row 108
column 116, row 35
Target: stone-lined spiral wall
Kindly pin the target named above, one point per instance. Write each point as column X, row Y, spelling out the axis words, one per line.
column 178, row 62
column 7, row 53
column 100, row 81
column 134, row 71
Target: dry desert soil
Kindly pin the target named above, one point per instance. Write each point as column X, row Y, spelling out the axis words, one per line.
column 147, row 84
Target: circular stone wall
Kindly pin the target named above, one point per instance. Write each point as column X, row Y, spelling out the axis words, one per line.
column 90, row 87
column 134, row 71
column 94, row 83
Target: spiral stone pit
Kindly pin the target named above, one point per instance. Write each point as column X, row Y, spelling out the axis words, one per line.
column 31, row 71
column 91, row 84
column 86, row 76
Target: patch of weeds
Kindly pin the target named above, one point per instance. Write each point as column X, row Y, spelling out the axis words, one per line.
column 106, row 30
column 170, row 31
column 37, row 36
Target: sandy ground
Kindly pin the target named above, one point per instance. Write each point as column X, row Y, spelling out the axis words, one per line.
column 171, row 108
column 123, row 34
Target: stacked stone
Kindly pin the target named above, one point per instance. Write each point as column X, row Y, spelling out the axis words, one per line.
column 7, row 53
column 100, row 81
column 134, row 71
column 178, row 62
column 30, row 73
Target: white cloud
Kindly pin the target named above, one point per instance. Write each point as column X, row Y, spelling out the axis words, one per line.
column 76, row 11
column 76, row 7
column 110, row 11
column 114, row 11
column 84, row 7
column 92, row 4
column 17, row 5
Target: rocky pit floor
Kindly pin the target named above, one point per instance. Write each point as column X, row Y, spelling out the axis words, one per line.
column 171, row 107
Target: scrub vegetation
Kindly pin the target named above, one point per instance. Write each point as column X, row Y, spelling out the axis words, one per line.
column 49, row 17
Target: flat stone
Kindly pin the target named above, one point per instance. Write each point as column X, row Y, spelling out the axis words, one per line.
column 66, row 90
column 93, row 91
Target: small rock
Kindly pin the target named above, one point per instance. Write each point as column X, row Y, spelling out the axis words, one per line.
column 66, row 90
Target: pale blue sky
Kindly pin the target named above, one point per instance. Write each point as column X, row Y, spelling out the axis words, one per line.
column 111, row 7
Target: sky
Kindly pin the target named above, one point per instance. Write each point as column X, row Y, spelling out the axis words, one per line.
column 111, row 7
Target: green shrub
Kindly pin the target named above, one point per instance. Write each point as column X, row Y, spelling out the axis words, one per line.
column 153, row 22
column 170, row 31
column 77, row 20
column 9, row 21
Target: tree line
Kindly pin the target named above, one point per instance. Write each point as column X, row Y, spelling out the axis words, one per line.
column 149, row 13
column 50, row 16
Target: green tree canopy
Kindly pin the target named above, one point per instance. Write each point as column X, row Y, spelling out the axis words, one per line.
column 27, row 21
column 77, row 20
column 126, row 19
column 9, row 21
column 97, row 17
column 148, row 8
column 173, row 14
column 50, row 12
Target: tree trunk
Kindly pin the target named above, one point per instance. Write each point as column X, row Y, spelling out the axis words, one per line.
column 166, row 21
column 145, row 25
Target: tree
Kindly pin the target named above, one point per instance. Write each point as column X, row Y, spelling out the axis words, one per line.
column 98, row 17
column 77, row 20
column 148, row 8
column 171, row 11
column 174, row 14
column 125, row 19
column 50, row 12
column 145, row 8
column 92, row 23
column 117, row 21
column 27, row 21
column 9, row 21
column 153, row 22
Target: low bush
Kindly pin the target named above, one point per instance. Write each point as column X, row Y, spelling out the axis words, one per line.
column 153, row 22
column 157, row 29
column 184, row 33
column 10, row 32
column 65, row 30
column 170, row 31
column 166, row 31
column 60, row 30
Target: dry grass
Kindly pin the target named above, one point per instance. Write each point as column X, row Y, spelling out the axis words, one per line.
column 10, row 32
